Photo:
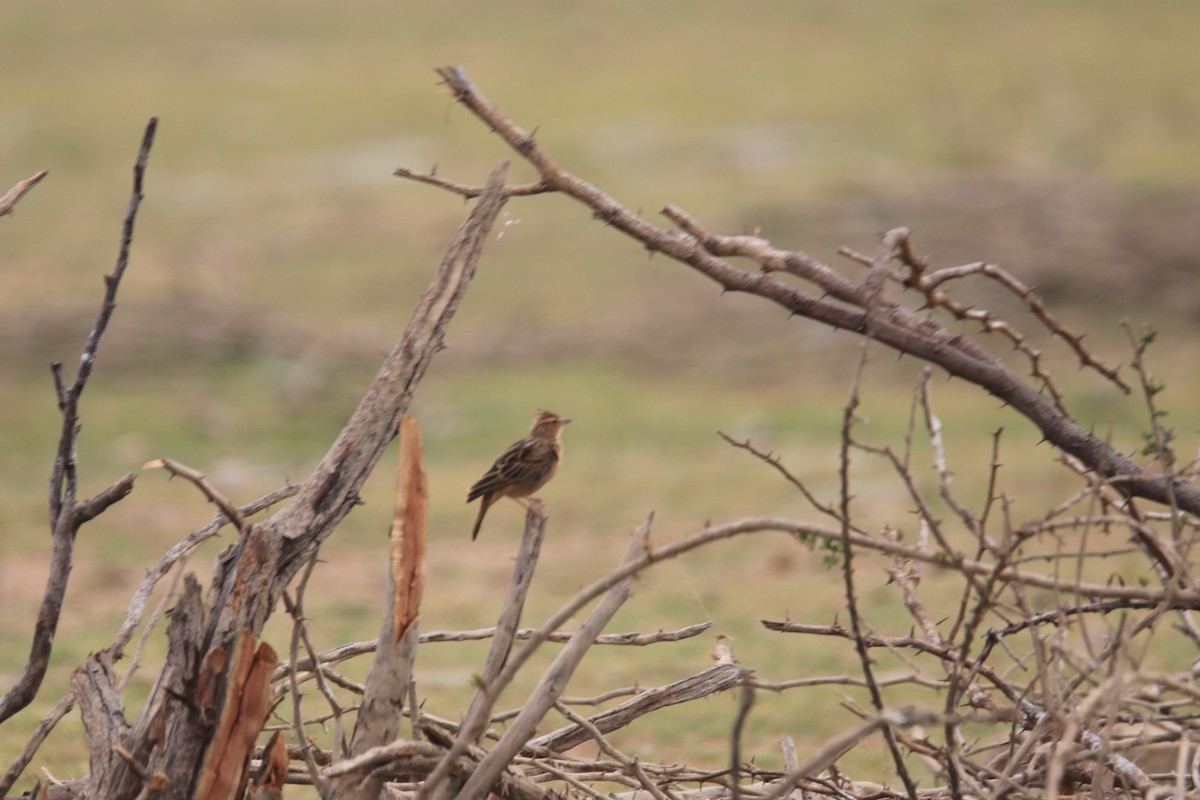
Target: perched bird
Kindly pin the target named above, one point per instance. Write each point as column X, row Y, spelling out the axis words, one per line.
column 523, row 468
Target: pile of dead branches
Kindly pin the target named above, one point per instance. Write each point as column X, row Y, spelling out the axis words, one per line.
column 1046, row 678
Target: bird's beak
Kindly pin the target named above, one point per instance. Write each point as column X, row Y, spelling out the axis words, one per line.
column 564, row 421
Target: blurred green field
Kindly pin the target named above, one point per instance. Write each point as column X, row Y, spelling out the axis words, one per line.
column 277, row 259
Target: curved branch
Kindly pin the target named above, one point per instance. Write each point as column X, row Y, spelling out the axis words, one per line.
column 853, row 307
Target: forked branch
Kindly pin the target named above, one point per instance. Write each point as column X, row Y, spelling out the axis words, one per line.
column 857, row 306
column 67, row 513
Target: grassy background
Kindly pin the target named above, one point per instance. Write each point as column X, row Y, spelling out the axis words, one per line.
column 276, row 261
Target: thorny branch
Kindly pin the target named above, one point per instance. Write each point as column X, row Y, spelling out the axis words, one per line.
column 841, row 302
column 851, row 594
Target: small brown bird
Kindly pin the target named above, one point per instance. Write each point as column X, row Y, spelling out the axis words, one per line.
column 523, row 468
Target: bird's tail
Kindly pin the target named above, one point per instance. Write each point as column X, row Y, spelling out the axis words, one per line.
column 483, row 507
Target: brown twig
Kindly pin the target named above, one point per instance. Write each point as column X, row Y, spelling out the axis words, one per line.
column 864, row 658
column 630, row 639
column 198, row 479
column 14, row 195
column 928, row 283
column 466, row 190
column 296, row 609
column 945, row 652
column 777, row 464
column 745, row 703
column 160, row 610
column 39, row 735
column 67, row 513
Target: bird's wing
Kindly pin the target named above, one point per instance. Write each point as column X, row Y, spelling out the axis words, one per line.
column 524, row 463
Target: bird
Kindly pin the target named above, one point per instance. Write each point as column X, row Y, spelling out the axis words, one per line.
column 526, row 466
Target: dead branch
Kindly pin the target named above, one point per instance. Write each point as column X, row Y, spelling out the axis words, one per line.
column 409, row 531
column 468, row 192
column 67, row 513
column 391, row 673
column 189, row 702
column 942, row 651
column 160, row 610
column 745, row 703
column 100, row 707
column 848, row 418
column 243, row 709
column 40, row 733
column 179, row 553
column 13, row 196
column 197, row 478
column 510, row 615
column 296, row 609
column 629, row 639
column 410, row 761
column 1053, row 701
column 839, row 301
column 827, row 756
column 715, row 679
column 543, row 696
column 631, row 765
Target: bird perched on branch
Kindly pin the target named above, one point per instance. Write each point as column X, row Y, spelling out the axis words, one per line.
column 523, row 468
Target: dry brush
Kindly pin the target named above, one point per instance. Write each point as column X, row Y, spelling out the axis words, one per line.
column 1019, row 699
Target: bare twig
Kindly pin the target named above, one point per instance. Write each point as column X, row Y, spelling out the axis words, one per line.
column 67, row 514
column 196, row 477
column 14, row 195
column 846, row 680
column 510, row 612
column 717, row 678
column 745, row 703
column 40, row 733
column 945, row 652
column 541, row 699
column 927, row 284
column 828, row 755
column 159, row 611
column 433, row 179
column 864, row 658
column 296, row 609
column 631, row 764
column 630, row 639
column 777, row 463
